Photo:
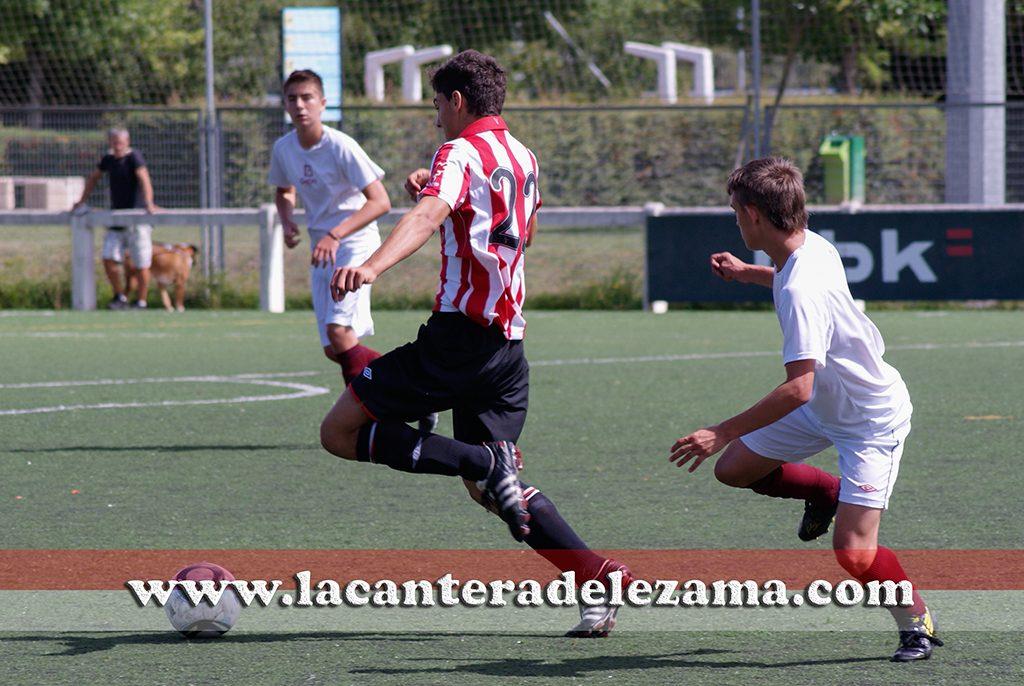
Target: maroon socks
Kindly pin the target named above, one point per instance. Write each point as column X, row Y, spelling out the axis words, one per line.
column 354, row 360
column 799, row 481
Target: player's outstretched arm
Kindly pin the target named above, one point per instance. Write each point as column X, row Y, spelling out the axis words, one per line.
column 414, row 229
column 791, row 394
column 731, row 268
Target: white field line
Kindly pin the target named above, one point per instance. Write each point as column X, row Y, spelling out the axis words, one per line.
column 84, row 334
column 27, row 313
column 756, row 353
column 160, row 379
column 300, row 390
column 306, row 391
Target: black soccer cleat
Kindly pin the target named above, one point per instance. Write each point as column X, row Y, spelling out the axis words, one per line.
column 428, row 423
column 917, row 641
column 503, row 487
column 816, row 521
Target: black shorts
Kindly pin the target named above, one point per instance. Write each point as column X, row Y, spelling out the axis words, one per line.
column 454, row 364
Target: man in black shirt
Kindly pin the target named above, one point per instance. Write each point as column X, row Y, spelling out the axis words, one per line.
column 130, row 187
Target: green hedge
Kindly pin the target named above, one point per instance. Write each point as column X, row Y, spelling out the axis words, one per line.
column 628, row 157
column 617, row 291
column 590, row 156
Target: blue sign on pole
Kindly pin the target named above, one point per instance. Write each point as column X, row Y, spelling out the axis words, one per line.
column 311, row 39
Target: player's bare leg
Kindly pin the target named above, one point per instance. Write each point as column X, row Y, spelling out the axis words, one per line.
column 347, row 352
column 741, row 467
column 855, row 542
column 339, row 430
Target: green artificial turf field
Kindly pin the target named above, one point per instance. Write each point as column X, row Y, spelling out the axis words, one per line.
column 150, row 431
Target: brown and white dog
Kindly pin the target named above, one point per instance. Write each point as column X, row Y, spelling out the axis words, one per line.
column 172, row 263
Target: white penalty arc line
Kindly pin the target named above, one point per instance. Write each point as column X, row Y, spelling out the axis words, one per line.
column 245, row 378
column 300, row 390
column 308, row 391
column 684, row 357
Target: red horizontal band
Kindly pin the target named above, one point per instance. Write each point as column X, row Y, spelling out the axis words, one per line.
column 108, row 569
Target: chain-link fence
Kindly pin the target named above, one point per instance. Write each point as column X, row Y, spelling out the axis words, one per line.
column 589, row 155
column 151, row 51
column 56, row 142
column 875, row 68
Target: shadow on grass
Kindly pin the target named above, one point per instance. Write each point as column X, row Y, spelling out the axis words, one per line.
column 76, row 644
column 83, row 644
column 584, row 666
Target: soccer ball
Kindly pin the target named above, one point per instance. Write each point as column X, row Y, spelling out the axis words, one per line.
column 204, row 620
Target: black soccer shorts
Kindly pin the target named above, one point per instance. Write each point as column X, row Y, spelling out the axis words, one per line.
column 454, row 364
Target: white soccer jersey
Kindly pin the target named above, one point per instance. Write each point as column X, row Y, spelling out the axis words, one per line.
column 489, row 179
column 856, row 393
column 329, row 177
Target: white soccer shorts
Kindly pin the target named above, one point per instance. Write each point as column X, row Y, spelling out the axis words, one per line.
column 136, row 240
column 354, row 309
column 867, row 466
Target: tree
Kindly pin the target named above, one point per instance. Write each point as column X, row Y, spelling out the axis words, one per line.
column 859, row 36
column 97, row 51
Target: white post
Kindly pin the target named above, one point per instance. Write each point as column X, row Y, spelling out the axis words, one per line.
column 373, row 69
column 976, row 102
column 412, row 76
column 83, row 266
column 703, row 68
column 271, row 260
column 651, row 209
column 666, row 61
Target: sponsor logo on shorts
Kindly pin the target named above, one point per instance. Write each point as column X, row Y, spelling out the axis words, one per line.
column 867, row 488
column 368, row 373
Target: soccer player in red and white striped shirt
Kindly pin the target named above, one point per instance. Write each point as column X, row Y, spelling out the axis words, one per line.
column 482, row 192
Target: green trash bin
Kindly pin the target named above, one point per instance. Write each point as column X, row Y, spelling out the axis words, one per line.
column 843, row 159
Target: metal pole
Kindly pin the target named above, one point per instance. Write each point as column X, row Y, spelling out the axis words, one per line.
column 212, row 139
column 976, row 124
column 755, row 77
column 204, row 195
column 218, row 174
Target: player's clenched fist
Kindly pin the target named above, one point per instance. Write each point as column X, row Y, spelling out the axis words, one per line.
column 291, row 232
column 727, row 266
column 415, row 182
column 698, row 446
column 350, row 279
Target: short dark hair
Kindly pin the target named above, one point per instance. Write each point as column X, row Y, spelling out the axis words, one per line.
column 303, row 76
column 479, row 78
column 775, row 187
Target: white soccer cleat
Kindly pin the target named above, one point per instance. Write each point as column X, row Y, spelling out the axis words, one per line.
column 596, row 621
